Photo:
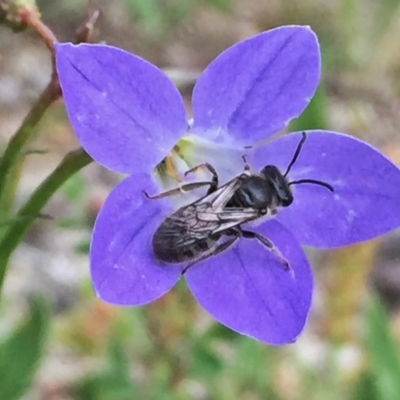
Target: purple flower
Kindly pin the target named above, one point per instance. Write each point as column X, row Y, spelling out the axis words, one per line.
column 129, row 116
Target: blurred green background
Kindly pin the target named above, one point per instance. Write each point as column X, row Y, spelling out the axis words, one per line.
column 57, row 341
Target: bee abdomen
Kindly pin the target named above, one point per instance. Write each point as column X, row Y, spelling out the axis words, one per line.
column 177, row 245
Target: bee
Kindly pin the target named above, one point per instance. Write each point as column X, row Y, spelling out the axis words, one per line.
column 212, row 224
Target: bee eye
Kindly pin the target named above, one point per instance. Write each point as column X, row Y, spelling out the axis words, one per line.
column 287, row 201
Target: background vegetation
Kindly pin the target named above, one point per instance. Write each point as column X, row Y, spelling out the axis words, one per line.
column 57, row 341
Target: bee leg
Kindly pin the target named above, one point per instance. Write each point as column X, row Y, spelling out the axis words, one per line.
column 217, row 250
column 268, row 244
column 179, row 190
column 246, row 165
column 210, row 168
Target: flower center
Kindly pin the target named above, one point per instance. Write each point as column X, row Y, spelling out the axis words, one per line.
column 191, row 151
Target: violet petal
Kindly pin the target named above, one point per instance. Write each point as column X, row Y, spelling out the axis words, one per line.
column 122, row 263
column 254, row 88
column 247, row 289
column 365, row 202
column 126, row 113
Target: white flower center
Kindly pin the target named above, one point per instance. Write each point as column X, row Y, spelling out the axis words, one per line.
column 190, row 152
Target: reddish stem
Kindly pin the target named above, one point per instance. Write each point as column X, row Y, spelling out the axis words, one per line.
column 33, row 20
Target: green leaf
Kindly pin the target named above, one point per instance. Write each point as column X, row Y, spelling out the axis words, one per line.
column 314, row 116
column 150, row 12
column 365, row 388
column 385, row 12
column 204, row 361
column 21, row 352
column 222, row 5
column 114, row 383
column 383, row 352
column 74, row 188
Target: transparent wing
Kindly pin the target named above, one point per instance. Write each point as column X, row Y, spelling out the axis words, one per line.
column 222, row 195
column 208, row 215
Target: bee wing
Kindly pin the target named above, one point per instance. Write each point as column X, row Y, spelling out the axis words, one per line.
column 229, row 218
column 222, row 195
column 212, row 212
column 239, row 215
column 218, row 221
column 208, row 215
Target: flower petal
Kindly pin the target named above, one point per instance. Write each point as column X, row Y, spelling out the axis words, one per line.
column 198, row 151
column 126, row 113
column 253, row 89
column 365, row 202
column 250, row 291
column 122, row 263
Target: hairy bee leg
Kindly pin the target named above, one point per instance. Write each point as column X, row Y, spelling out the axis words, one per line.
column 188, row 187
column 211, row 169
column 268, row 244
column 217, row 250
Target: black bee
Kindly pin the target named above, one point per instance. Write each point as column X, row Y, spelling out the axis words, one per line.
column 194, row 232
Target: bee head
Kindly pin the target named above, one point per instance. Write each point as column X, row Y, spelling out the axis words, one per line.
column 279, row 184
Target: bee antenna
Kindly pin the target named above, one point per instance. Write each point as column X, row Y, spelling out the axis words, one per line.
column 296, row 153
column 314, row 182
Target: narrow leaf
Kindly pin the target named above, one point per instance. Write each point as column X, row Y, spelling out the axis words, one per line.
column 114, row 383
column 383, row 352
column 21, row 352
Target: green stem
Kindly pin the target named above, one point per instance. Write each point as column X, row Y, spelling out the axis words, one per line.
column 71, row 164
column 12, row 159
